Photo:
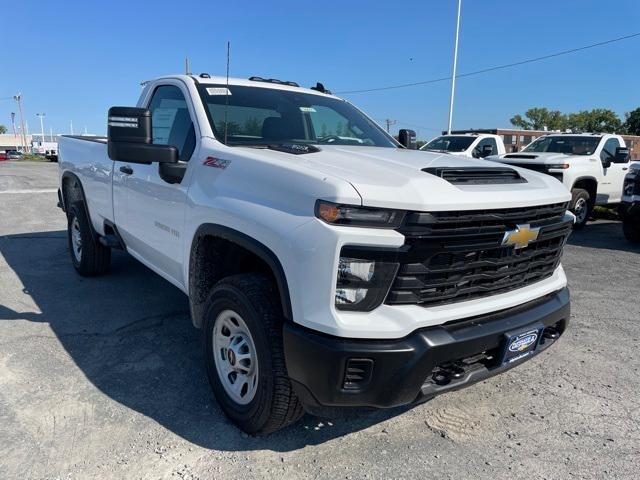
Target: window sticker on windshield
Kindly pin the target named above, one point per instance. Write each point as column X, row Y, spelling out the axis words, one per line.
column 308, row 109
column 218, row 91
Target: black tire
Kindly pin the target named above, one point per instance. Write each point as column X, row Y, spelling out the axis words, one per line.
column 93, row 258
column 631, row 229
column 274, row 404
column 581, row 201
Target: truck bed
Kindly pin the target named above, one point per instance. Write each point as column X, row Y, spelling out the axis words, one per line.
column 87, row 158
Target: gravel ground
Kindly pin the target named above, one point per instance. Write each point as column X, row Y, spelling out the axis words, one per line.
column 104, row 378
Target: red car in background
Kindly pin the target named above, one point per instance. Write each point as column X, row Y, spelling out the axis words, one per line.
column 3, row 156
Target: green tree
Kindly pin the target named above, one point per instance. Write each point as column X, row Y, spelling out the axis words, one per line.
column 539, row 118
column 596, row 120
column 3, row 129
column 631, row 123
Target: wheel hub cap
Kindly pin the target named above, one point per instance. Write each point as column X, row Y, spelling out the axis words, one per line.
column 76, row 239
column 235, row 357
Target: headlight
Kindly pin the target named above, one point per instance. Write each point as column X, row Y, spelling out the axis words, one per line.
column 351, row 215
column 362, row 284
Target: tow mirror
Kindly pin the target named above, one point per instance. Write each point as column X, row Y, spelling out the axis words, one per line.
column 486, row 151
column 606, row 163
column 622, row 155
column 407, row 138
column 129, row 136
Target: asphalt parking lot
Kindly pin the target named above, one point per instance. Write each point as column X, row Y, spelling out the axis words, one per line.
column 104, row 378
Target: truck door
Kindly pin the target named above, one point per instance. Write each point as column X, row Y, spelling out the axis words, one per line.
column 610, row 189
column 149, row 211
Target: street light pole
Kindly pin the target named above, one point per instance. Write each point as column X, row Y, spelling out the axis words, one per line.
column 41, row 115
column 455, row 64
column 18, row 98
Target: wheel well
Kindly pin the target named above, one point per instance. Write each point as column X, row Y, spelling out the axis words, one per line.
column 71, row 190
column 216, row 255
column 590, row 185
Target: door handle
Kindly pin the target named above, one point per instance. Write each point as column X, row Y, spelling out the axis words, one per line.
column 126, row 169
column 625, row 168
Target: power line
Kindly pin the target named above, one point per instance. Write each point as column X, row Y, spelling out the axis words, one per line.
column 497, row 67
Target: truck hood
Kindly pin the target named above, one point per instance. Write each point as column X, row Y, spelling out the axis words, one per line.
column 393, row 178
column 537, row 157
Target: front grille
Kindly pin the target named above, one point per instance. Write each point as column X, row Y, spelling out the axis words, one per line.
column 536, row 167
column 457, row 256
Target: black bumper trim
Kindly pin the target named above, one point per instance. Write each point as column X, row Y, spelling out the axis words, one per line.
column 402, row 368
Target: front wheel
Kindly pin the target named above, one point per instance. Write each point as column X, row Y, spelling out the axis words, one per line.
column 245, row 356
column 631, row 229
column 580, row 206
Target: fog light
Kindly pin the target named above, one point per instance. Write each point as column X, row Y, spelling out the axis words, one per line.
column 361, row 283
column 350, row 296
column 356, row 268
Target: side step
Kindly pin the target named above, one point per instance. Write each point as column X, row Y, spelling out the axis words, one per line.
column 111, row 241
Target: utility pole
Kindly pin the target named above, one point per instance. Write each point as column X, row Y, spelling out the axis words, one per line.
column 41, row 115
column 390, row 122
column 18, row 98
column 71, row 125
column 51, row 133
column 455, row 64
column 187, row 70
column 13, row 123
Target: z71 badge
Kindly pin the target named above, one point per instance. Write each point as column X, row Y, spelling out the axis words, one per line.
column 216, row 162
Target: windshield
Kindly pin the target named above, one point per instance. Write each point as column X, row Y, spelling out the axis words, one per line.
column 449, row 143
column 267, row 116
column 571, row 145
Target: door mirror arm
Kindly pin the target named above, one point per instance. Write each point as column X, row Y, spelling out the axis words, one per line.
column 173, row 172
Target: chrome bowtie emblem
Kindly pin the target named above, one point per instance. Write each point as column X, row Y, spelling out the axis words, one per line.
column 522, row 236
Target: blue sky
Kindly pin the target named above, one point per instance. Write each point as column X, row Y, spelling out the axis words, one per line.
column 72, row 60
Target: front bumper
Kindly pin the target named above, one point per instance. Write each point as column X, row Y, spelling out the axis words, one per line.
column 630, row 209
column 329, row 371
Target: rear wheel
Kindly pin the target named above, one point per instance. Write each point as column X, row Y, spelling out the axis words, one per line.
column 631, row 229
column 245, row 357
column 89, row 257
column 580, row 206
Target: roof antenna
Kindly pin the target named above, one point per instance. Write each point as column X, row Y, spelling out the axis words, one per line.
column 187, row 71
column 226, row 96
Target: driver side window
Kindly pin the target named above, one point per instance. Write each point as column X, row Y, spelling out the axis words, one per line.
column 171, row 122
column 477, row 152
column 609, row 150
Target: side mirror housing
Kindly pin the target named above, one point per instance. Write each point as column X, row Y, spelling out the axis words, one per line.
column 622, row 155
column 407, row 138
column 606, row 163
column 129, row 137
column 486, row 151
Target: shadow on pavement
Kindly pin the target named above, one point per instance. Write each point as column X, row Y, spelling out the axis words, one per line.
column 605, row 234
column 131, row 335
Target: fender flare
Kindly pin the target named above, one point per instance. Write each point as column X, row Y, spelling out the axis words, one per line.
column 76, row 179
column 257, row 248
column 584, row 177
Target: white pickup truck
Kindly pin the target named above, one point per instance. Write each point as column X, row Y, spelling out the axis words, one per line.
column 327, row 265
column 592, row 166
column 469, row 144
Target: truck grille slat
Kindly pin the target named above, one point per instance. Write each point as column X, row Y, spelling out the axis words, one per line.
column 445, row 263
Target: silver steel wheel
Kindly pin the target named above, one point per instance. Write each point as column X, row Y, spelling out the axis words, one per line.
column 76, row 239
column 235, row 357
column 580, row 210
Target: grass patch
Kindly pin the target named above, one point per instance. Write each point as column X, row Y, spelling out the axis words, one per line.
column 605, row 213
column 33, row 158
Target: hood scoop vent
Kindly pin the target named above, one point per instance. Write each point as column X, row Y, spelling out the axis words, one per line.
column 476, row 175
column 520, row 155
